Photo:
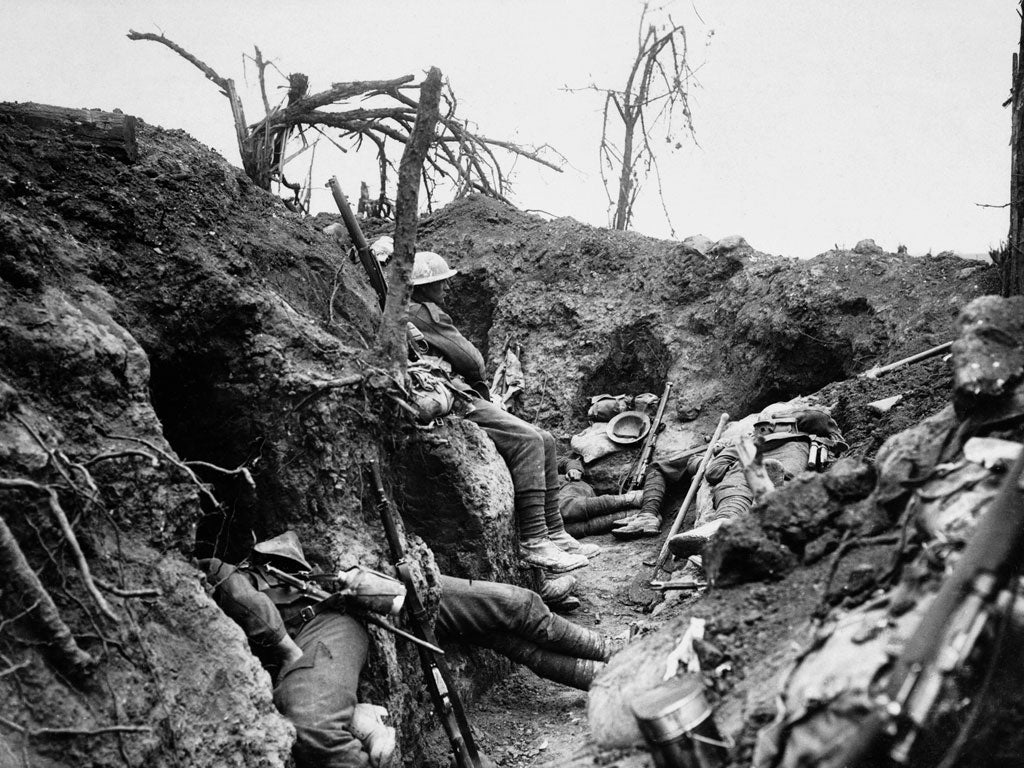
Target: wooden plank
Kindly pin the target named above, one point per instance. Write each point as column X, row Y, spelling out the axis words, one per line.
column 112, row 132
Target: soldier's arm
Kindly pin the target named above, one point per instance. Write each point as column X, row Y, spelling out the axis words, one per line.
column 252, row 610
column 442, row 335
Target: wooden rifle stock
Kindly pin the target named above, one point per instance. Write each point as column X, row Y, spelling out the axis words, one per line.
column 991, row 559
column 635, row 480
column 435, row 672
column 355, row 233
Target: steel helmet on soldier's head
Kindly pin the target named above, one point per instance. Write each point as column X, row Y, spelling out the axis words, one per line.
column 285, row 546
column 430, row 267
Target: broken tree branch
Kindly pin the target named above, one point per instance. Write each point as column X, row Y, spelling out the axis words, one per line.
column 261, row 145
column 202, row 66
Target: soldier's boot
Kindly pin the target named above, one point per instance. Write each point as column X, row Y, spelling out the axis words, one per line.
column 557, row 589
column 648, row 521
column 551, row 665
column 543, row 553
column 693, row 541
column 569, row 638
column 637, row 526
column 567, row 543
column 378, row 739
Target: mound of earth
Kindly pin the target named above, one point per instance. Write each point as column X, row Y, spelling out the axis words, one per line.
column 600, row 311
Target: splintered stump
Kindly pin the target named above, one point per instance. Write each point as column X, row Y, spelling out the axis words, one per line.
column 111, row 132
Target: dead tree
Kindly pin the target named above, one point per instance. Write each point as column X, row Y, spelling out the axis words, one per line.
column 392, row 340
column 1012, row 265
column 467, row 160
column 656, row 94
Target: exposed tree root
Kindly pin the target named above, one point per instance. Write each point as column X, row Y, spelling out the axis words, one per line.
column 70, row 537
column 47, row 618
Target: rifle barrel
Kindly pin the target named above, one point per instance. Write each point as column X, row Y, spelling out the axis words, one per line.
column 355, row 232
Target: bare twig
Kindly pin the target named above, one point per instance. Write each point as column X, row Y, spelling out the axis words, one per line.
column 37, row 732
column 168, row 457
column 128, row 592
column 243, row 471
column 12, row 669
column 327, row 386
column 153, row 461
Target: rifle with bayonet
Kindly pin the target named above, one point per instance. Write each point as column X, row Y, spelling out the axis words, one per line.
column 976, row 592
column 635, row 479
column 435, row 672
column 351, row 600
column 355, row 233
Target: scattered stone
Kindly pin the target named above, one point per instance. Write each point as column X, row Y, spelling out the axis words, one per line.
column 728, row 244
column 698, row 243
column 883, row 405
column 868, row 246
column 850, row 479
column 820, row 547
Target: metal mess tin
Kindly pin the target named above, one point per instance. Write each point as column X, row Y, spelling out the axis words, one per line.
column 676, row 721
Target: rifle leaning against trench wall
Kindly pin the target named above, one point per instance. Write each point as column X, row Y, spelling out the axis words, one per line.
column 975, row 593
column 355, row 233
column 435, row 672
column 637, row 473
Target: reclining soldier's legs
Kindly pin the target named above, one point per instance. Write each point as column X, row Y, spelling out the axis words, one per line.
column 486, row 613
column 318, row 692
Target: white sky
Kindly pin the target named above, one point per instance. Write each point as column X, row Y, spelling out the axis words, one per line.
column 820, row 122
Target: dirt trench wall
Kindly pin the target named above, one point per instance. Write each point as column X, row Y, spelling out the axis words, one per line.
column 734, row 329
column 172, row 303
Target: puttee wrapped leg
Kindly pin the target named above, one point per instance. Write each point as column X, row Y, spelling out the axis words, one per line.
column 551, row 665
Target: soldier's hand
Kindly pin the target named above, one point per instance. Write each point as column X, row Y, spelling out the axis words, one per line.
column 574, row 474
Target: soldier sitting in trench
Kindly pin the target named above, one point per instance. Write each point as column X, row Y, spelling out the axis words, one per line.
column 320, row 648
column 528, row 451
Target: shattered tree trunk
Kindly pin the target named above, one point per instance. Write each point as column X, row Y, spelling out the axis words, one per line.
column 111, row 132
column 1012, row 267
column 392, row 330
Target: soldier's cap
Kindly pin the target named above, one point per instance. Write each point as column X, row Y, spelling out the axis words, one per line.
column 285, row 546
column 628, row 427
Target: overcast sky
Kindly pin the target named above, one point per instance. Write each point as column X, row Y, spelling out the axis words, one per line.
column 820, row 122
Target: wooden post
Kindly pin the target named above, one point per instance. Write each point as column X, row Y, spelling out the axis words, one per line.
column 1012, row 267
column 112, row 132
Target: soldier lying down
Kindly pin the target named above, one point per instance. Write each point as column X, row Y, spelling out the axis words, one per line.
column 321, row 647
